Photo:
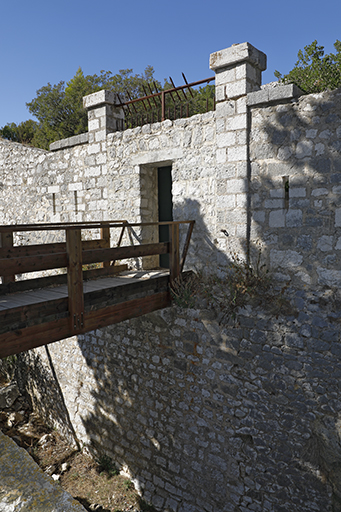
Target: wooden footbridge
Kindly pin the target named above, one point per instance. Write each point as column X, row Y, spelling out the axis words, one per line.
column 50, row 291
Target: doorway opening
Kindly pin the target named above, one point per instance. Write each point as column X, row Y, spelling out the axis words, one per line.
column 165, row 207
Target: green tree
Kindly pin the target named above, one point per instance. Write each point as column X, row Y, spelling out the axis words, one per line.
column 23, row 132
column 314, row 71
column 59, row 108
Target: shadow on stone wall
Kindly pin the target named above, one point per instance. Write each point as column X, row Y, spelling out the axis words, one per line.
column 42, row 383
column 295, row 194
column 296, row 187
column 214, row 417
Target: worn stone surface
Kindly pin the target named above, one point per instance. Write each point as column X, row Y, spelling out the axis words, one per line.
column 8, row 395
column 25, row 487
column 295, row 161
column 208, row 416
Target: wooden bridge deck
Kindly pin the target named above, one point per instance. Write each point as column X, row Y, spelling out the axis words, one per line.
column 42, row 310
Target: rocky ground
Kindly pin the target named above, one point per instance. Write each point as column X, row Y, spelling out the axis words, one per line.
column 95, row 484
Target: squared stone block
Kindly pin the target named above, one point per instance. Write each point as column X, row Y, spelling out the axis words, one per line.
column 277, row 219
column 238, row 53
column 93, row 125
column 99, row 98
column 236, row 89
column 338, row 217
column 225, row 77
column 237, row 153
column 226, row 139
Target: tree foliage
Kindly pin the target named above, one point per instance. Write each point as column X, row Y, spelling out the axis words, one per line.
column 59, row 108
column 23, row 132
column 314, row 71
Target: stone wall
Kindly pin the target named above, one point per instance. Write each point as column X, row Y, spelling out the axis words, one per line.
column 207, row 416
column 201, row 415
column 264, row 167
column 295, row 186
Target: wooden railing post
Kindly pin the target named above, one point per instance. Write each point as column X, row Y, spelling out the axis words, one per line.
column 174, row 253
column 75, row 278
column 105, row 235
column 6, row 241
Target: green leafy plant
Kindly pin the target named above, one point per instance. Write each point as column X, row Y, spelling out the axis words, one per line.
column 128, row 485
column 314, row 71
column 106, row 465
column 184, row 291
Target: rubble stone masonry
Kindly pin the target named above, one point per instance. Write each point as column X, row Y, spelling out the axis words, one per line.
column 206, row 415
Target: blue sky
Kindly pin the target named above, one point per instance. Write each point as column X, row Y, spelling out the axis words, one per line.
column 43, row 41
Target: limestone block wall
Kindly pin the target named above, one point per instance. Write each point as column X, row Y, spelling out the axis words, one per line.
column 207, row 416
column 188, row 145
column 295, row 186
column 264, row 167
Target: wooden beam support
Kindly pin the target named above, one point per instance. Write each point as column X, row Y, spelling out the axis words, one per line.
column 75, row 278
column 18, row 341
column 6, row 242
column 32, row 263
column 37, row 262
column 174, row 252
column 105, row 236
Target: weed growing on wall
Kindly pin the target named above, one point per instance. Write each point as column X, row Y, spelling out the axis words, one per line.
column 184, row 290
column 242, row 284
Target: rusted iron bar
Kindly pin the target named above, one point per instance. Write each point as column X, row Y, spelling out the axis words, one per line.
column 144, row 90
column 174, row 89
column 163, row 98
column 151, row 92
column 130, row 102
column 190, row 90
column 121, row 103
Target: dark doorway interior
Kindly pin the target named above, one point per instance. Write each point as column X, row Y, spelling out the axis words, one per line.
column 165, row 204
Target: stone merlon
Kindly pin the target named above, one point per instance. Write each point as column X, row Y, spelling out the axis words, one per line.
column 237, row 53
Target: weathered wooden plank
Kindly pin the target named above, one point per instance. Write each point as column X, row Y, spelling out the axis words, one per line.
column 75, row 277
column 6, row 240
column 41, row 282
column 57, row 260
column 123, row 311
column 96, row 299
column 32, row 263
column 32, row 250
column 21, row 340
column 186, row 246
column 32, row 314
column 120, row 253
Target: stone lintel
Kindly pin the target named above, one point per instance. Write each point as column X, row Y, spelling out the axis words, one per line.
column 236, row 54
column 276, row 93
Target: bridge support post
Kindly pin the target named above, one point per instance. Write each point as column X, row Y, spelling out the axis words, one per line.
column 174, row 252
column 75, row 278
column 6, row 241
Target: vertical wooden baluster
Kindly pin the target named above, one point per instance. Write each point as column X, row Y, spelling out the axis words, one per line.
column 6, row 239
column 174, row 256
column 75, row 278
column 105, row 235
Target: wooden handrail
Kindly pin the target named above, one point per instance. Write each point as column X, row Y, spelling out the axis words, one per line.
column 74, row 253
